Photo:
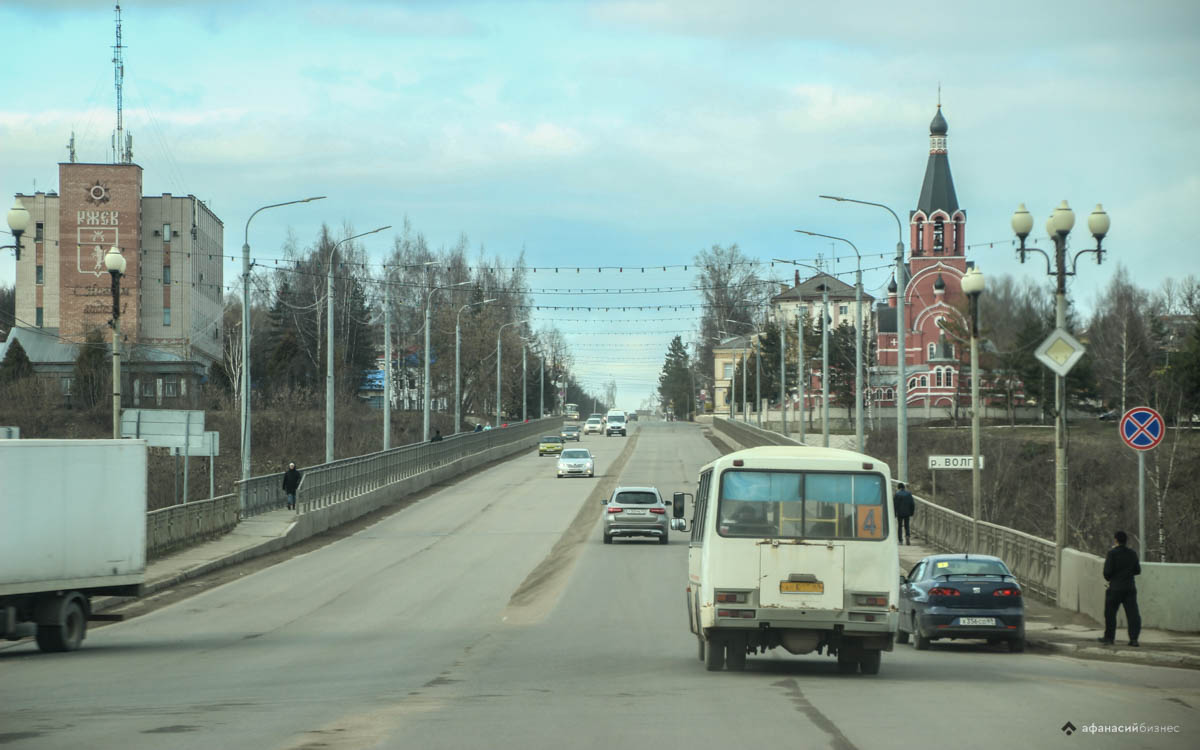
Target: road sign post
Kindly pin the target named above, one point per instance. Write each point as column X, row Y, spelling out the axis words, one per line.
column 1142, row 429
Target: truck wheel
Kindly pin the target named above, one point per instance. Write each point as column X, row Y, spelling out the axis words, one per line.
column 714, row 660
column 735, row 654
column 608, row 539
column 901, row 635
column 68, row 634
column 663, row 539
column 870, row 660
column 847, row 661
column 921, row 642
column 701, row 651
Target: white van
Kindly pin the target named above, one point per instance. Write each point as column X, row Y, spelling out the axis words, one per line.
column 793, row 547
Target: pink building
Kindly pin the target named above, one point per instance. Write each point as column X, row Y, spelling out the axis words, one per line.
column 932, row 293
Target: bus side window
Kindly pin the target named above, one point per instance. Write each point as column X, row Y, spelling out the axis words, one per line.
column 700, row 508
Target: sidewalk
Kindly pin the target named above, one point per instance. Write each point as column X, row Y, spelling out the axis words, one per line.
column 253, row 537
column 1050, row 628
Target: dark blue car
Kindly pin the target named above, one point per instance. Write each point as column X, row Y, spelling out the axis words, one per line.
column 961, row 596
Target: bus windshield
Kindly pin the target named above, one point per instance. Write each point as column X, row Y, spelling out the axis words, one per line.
column 802, row 505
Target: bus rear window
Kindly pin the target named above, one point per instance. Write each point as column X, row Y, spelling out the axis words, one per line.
column 802, row 505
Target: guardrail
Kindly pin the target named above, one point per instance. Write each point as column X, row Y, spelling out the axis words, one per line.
column 327, row 484
column 181, row 525
column 747, row 435
column 1030, row 558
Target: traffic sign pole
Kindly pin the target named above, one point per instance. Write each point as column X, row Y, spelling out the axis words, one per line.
column 1142, row 429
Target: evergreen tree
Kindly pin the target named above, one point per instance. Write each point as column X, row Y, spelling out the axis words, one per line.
column 675, row 381
column 16, row 364
column 92, row 372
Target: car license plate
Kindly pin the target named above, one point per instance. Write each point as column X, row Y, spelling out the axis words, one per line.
column 801, row 587
column 638, row 512
column 977, row 621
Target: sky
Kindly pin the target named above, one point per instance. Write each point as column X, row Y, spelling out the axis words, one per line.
column 630, row 134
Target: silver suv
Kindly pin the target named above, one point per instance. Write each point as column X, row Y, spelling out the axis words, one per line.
column 636, row 511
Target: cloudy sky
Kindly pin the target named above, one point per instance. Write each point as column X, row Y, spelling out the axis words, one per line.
column 629, row 133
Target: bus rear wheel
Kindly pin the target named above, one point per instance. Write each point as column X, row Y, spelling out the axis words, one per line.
column 714, row 658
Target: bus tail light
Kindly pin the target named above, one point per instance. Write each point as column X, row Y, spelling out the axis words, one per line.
column 743, row 614
column 731, row 597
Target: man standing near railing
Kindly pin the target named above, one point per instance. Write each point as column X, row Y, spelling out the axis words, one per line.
column 291, row 483
column 1120, row 566
column 904, row 506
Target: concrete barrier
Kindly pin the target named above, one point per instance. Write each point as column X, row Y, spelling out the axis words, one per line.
column 1168, row 593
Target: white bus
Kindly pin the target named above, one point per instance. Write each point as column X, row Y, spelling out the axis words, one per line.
column 571, row 411
column 792, row 547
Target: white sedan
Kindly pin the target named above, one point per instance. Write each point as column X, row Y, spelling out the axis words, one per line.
column 576, row 462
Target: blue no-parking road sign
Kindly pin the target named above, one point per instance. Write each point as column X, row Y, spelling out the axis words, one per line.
column 1142, row 428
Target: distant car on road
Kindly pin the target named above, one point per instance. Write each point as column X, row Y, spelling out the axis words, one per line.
column 550, row 445
column 961, row 596
column 1110, row 415
column 593, row 425
column 636, row 511
column 576, row 462
column 570, row 432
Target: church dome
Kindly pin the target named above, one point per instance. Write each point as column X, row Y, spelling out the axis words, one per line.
column 892, row 286
column 939, row 285
column 938, row 126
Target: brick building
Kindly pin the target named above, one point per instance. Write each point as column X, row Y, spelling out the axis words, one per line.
column 171, row 294
column 932, row 294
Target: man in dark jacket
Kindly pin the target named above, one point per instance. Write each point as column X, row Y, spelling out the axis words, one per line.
column 1120, row 566
column 904, row 506
column 291, row 483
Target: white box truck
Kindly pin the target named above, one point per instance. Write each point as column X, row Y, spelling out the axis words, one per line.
column 72, row 526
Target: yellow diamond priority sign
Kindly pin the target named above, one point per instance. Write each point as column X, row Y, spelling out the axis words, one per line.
column 1060, row 351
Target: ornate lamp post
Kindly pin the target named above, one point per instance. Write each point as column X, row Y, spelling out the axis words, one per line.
column 972, row 285
column 1058, row 226
column 18, row 222
column 115, row 263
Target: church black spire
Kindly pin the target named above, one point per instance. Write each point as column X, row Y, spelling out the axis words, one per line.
column 937, row 192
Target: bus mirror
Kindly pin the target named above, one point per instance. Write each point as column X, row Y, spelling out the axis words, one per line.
column 678, row 524
column 678, row 504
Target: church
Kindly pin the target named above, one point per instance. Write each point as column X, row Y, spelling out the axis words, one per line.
column 935, row 356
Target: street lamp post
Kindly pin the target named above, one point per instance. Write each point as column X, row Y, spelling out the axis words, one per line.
column 858, row 336
column 245, row 386
column 115, row 263
column 972, row 286
column 824, row 350
column 499, row 349
column 458, row 362
column 329, row 341
column 18, row 222
column 428, row 398
column 901, row 344
column 524, row 381
column 1058, row 226
column 745, row 367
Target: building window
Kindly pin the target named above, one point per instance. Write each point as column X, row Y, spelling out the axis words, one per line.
column 39, row 318
column 166, row 316
column 891, row 395
column 166, row 232
column 148, row 390
column 949, row 378
column 728, row 370
column 37, row 231
column 171, row 386
column 937, row 379
column 938, row 230
column 41, row 275
column 924, row 382
column 166, row 275
column 66, row 385
column 843, row 310
column 920, row 237
column 932, row 350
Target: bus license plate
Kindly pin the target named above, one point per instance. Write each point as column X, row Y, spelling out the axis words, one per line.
column 801, row 587
column 977, row 621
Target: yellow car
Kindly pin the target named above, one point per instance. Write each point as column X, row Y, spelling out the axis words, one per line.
column 550, row 445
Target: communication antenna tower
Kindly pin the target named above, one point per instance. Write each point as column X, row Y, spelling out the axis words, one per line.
column 71, row 148
column 122, row 143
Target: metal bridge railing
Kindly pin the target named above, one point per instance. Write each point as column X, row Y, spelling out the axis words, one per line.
column 747, row 435
column 335, row 482
column 1030, row 558
column 183, row 525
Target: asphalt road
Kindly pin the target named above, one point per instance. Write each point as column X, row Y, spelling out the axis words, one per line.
column 490, row 614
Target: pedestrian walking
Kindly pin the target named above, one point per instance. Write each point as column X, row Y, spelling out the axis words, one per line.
column 291, row 483
column 904, row 506
column 1120, row 566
